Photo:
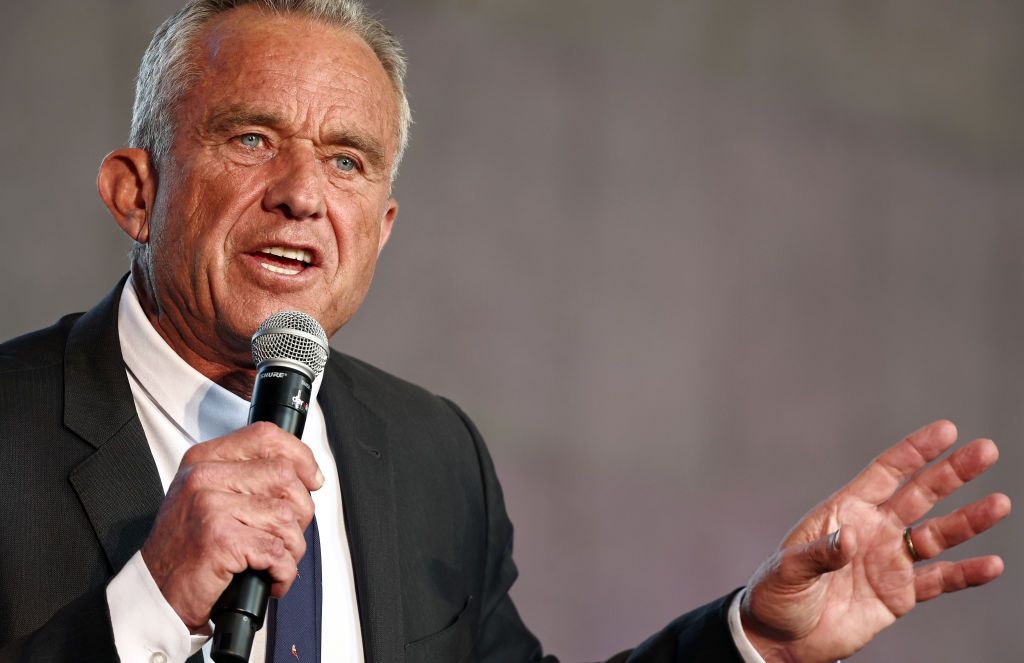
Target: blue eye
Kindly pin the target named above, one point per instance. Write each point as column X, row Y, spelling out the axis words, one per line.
column 252, row 141
column 345, row 164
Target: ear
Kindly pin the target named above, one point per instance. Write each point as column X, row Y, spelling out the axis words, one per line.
column 386, row 222
column 127, row 184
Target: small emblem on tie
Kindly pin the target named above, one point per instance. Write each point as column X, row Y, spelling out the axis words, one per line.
column 295, row 652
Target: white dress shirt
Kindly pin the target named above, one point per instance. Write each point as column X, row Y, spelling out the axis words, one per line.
column 179, row 407
column 747, row 651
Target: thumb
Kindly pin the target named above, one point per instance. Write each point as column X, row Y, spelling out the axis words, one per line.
column 802, row 565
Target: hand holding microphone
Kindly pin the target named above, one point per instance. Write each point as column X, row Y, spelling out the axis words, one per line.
column 241, row 502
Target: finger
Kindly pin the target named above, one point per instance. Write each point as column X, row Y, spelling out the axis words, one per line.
column 271, row 477
column 233, row 547
column 932, row 484
column 801, row 566
column 943, row 577
column 273, row 516
column 261, row 440
column 270, row 555
column 879, row 480
column 244, row 515
column 934, row 536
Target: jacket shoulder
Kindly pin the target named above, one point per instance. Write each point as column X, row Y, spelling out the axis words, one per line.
column 384, row 391
column 38, row 349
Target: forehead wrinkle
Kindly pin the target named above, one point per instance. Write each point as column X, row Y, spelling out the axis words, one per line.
column 225, row 63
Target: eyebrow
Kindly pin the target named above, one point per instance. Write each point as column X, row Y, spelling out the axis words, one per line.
column 232, row 118
column 369, row 146
column 238, row 116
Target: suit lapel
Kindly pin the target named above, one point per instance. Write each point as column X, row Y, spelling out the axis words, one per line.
column 118, row 484
column 358, row 439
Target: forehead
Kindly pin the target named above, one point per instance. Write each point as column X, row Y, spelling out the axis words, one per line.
column 321, row 76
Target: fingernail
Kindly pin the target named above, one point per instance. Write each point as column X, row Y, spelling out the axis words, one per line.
column 833, row 540
column 319, row 478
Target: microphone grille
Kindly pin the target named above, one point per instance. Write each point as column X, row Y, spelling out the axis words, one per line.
column 289, row 337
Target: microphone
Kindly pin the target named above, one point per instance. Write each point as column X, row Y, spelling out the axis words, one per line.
column 289, row 349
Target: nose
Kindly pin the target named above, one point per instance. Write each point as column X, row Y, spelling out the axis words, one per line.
column 296, row 188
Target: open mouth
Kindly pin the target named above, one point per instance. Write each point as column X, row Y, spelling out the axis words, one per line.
column 281, row 260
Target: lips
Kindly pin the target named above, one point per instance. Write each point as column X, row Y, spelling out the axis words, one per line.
column 284, row 260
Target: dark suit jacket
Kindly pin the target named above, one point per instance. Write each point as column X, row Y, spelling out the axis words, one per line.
column 431, row 542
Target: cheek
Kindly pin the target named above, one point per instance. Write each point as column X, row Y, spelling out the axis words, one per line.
column 360, row 245
column 217, row 206
column 362, row 220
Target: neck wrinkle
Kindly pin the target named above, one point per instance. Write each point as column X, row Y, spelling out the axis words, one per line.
column 236, row 377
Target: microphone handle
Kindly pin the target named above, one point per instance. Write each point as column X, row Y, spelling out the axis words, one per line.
column 280, row 396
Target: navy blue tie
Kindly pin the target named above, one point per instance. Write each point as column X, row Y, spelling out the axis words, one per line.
column 293, row 635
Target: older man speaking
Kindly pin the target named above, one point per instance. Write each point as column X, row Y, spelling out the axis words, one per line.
column 264, row 142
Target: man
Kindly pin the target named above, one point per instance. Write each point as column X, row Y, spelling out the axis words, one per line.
column 264, row 142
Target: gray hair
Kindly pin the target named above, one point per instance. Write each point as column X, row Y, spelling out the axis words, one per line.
column 168, row 67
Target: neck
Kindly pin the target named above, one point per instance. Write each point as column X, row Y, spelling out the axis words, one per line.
column 231, row 368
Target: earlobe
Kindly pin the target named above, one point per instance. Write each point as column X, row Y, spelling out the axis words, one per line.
column 386, row 223
column 127, row 185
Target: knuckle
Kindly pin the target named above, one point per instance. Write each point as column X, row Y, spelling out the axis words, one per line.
column 275, row 547
column 308, row 508
column 300, row 550
column 196, row 477
column 230, row 556
column 282, row 471
column 224, row 546
column 205, row 502
column 282, row 512
column 924, row 491
column 264, row 432
column 961, row 469
column 263, row 551
column 307, row 455
column 219, row 536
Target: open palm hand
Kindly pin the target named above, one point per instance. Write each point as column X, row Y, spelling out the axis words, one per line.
column 845, row 572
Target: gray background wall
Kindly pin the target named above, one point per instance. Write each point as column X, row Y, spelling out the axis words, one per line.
column 689, row 265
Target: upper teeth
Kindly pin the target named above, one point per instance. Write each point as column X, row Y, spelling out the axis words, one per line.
column 294, row 254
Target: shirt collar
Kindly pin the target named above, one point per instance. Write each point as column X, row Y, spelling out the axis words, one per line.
column 201, row 408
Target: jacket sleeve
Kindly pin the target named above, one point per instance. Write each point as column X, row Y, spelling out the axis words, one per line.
column 80, row 632
column 700, row 635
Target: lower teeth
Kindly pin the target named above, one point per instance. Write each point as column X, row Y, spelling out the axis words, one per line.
column 279, row 270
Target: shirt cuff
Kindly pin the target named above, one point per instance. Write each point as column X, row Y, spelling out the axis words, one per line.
column 146, row 627
column 747, row 651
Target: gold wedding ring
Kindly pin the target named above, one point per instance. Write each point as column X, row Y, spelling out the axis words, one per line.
column 914, row 556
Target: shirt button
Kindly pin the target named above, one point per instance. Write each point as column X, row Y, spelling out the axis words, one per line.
column 158, row 657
